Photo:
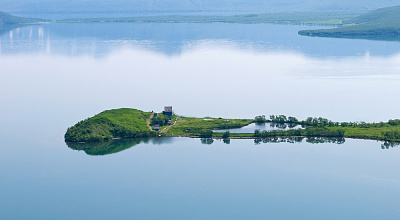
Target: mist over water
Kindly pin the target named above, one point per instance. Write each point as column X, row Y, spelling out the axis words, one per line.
column 241, row 73
column 55, row 75
column 100, row 40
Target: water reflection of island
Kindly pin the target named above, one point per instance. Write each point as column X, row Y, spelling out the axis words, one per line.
column 207, row 141
column 388, row 145
column 283, row 126
column 102, row 39
column 115, row 146
column 292, row 140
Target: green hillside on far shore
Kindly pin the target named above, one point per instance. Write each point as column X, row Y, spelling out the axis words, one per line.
column 6, row 18
column 297, row 18
column 381, row 24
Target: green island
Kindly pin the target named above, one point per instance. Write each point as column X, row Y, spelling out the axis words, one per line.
column 127, row 123
column 380, row 24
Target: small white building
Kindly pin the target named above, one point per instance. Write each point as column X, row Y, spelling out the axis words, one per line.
column 168, row 109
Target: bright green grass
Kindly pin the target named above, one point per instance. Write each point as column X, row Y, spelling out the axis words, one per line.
column 193, row 126
column 117, row 123
column 375, row 133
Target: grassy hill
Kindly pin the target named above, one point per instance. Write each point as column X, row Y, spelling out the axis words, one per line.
column 6, row 18
column 382, row 16
column 378, row 24
column 116, row 123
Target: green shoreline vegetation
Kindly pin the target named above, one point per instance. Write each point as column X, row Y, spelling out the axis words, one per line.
column 131, row 123
column 380, row 24
column 327, row 18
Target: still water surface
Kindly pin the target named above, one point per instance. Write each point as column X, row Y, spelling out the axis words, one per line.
column 54, row 75
column 261, row 127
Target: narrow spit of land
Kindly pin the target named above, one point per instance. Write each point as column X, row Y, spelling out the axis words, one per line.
column 133, row 123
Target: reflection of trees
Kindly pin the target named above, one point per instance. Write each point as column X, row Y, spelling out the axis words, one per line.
column 279, row 140
column 322, row 140
column 227, row 141
column 207, row 140
column 388, row 145
column 292, row 140
column 260, row 119
column 115, row 146
column 282, row 125
column 278, row 125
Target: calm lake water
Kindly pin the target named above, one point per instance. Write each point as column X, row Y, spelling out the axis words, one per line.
column 54, row 75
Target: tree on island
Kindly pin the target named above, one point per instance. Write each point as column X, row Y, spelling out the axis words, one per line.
column 226, row 135
column 207, row 133
column 260, row 119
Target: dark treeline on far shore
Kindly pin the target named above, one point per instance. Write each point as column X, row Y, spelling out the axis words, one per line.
column 321, row 122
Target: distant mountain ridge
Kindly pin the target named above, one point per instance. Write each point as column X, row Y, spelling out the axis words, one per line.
column 6, row 18
column 389, row 15
column 383, row 23
column 172, row 6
